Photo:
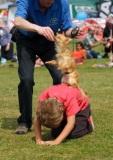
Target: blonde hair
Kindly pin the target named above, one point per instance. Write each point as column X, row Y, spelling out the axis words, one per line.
column 71, row 79
column 66, row 63
column 62, row 45
column 50, row 112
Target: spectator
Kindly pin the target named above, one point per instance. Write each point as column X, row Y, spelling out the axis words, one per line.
column 65, row 109
column 108, row 38
column 7, row 49
column 80, row 53
column 89, row 42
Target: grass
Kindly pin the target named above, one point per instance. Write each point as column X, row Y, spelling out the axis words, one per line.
column 98, row 82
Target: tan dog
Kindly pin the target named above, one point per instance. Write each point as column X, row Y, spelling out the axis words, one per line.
column 62, row 45
column 64, row 61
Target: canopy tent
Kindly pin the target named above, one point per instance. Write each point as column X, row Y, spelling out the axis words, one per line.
column 84, row 2
column 5, row 5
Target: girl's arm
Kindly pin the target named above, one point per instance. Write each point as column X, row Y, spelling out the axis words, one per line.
column 67, row 129
column 37, row 129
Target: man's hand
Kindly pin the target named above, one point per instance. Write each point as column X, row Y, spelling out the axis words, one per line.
column 74, row 32
column 46, row 32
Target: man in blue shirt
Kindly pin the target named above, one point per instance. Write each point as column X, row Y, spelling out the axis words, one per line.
column 37, row 21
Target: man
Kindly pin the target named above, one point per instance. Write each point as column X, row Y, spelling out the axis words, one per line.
column 89, row 42
column 108, row 39
column 37, row 21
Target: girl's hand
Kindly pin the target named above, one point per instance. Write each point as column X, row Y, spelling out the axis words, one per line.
column 40, row 142
column 51, row 143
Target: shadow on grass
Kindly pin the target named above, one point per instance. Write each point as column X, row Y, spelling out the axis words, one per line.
column 46, row 134
column 8, row 123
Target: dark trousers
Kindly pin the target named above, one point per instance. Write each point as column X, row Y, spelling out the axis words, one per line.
column 82, row 125
column 27, row 49
column 7, row 54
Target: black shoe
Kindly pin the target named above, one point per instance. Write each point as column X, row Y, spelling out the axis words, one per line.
column 22, row 129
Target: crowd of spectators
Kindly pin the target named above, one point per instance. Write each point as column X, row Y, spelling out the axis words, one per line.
column 6, row 44
column 84, row 49
column 90, row 43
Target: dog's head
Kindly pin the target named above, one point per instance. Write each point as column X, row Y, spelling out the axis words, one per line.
column 62, row 45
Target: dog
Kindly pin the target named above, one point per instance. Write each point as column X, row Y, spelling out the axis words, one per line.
column 64, row 61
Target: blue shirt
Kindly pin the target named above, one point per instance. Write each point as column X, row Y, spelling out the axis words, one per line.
column 56, row 17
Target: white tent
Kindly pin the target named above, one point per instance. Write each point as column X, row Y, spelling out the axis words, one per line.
column 5, row 5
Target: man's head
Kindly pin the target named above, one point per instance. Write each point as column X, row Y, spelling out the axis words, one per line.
column 45, row 3
column 50, row 112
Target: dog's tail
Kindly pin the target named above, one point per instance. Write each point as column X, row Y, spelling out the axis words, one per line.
column 52, row 62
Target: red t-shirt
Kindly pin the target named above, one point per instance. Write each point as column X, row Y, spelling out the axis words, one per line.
column 72, row 98
column 79, row 54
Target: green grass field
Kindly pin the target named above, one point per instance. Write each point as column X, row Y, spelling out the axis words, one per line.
column 98, row 82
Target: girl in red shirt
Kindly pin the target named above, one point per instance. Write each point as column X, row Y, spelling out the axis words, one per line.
column 79, row 54
column 65, row 109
